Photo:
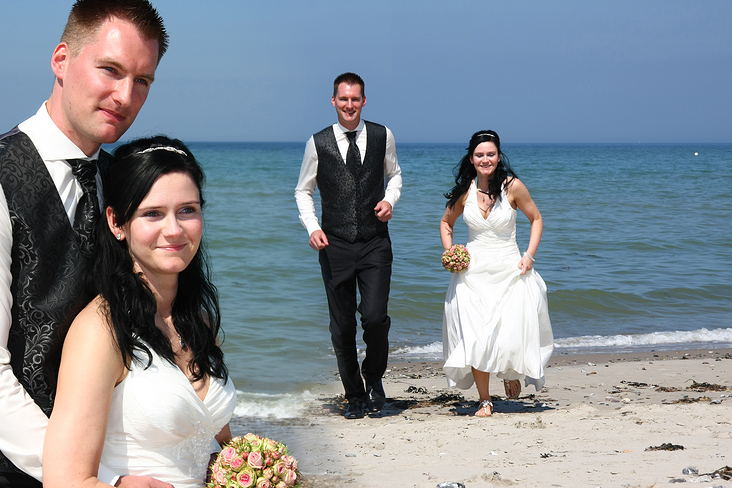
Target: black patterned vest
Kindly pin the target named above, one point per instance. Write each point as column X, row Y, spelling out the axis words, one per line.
column 348, row 200
column 48, row 271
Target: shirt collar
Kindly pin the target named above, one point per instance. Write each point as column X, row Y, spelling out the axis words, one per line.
column 343, row 130
column 51, row 143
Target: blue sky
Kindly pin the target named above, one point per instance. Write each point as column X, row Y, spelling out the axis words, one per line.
column 535, row 71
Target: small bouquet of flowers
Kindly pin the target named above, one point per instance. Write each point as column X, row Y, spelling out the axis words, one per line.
column 252, row 461
column 456, row 258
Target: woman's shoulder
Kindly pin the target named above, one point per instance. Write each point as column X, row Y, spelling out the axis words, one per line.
column 91, row 340
column 512, row 184
column 94, row 309
column 92, row 321
column 510, row 180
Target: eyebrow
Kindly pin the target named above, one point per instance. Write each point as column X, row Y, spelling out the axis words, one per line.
column 164, row 205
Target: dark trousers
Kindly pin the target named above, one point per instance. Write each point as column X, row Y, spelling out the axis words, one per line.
column 344, row 266
column 18, row 480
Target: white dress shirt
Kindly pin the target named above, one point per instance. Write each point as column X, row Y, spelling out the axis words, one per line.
column 309, row 171
column 23, row 423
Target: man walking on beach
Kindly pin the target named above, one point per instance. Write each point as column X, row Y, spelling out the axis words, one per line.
column 350, row 162
column 49, row 205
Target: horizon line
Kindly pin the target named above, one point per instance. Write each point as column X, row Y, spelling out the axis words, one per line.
column 191, row 141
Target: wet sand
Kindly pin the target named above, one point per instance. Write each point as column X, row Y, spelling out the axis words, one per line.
column 606, row 420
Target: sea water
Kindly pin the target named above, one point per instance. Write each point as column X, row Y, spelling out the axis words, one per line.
column 636, row 253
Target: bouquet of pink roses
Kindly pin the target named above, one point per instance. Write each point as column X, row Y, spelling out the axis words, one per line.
column 254, row 462
column 456, row 258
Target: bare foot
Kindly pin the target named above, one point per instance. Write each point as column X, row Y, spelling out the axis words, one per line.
column 513, row 389
column 485, row 410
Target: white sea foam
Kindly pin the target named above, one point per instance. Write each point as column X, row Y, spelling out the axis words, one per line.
column 272, row 405
column 618, row 342
column 431, row 351
column 687, row 338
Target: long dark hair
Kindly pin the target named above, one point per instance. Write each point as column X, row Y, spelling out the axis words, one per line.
column 131, row 306
column 465, row 172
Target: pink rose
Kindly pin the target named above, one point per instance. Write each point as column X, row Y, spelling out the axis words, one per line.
column 256, row 444
column 279, row 468
column 281, row 484
column 263, row 483
column 237, row 463
column 267, row 473
column 218, row 474
column 290, row 477
column 228, row 453
column 246, row 478
column 290, row 462
column 255, row 460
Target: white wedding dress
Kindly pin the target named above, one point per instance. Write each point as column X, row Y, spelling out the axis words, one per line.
column 159, row 427
column 495, row 320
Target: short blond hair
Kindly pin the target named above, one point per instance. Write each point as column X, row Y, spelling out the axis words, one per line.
column 87, row 16
column 349, row 79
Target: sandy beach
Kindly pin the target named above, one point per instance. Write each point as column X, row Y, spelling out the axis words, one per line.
column 620, row 420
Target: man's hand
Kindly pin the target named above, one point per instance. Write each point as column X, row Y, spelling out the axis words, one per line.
column 383, row 211
column 141, row 482
column 318, row 240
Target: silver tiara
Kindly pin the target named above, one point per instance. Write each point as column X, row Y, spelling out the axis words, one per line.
column 163, row 148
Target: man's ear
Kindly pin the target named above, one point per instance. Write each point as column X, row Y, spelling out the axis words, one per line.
column 60, row 59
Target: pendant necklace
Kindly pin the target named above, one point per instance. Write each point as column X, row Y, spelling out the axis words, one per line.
column 180, row 339
column 484, row 193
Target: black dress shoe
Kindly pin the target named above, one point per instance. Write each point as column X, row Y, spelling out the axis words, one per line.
column 354, row 410
column 375, row 396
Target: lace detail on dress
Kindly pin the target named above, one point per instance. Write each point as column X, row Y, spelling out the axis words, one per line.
column 197, row 448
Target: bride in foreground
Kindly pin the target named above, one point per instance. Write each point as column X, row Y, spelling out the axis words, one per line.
column 143, row 388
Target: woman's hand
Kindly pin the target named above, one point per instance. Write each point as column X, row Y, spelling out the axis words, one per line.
column 526, row 263
column 141, row 482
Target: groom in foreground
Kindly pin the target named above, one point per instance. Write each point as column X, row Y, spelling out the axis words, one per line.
column 49, row 204
column 351, row 162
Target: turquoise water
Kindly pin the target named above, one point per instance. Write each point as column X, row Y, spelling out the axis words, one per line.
column 636, row 252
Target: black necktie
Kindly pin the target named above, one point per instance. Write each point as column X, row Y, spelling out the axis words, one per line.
column 353, row 156
column 87, row 210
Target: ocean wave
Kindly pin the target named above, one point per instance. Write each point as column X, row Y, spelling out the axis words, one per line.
column 428, row 351
column 691, row 338
column 272, row 405
column 687, row 337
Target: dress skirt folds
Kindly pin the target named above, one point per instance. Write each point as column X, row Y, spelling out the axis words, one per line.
column 495, row 320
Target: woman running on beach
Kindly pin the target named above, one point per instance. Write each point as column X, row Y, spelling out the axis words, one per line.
column 143, row 388
column 496, row 316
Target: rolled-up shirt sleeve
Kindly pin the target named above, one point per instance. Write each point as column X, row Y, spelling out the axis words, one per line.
column 392, row 171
